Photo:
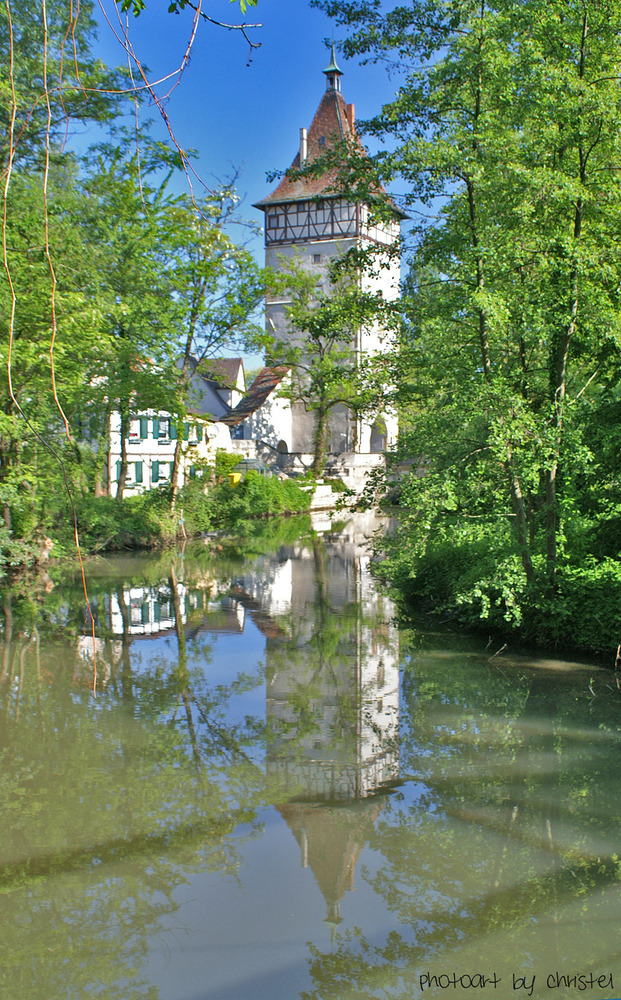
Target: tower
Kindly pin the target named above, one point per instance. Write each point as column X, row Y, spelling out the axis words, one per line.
column 307, row 221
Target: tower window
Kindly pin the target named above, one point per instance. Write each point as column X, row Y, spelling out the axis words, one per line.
column 322, row 140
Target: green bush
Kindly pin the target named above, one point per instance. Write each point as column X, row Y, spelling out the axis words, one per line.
column 16, row 551
column 257, row 496
column 585, row 611
column 145, row 520
column 104, row 523
column 473, row 574
column 197, row 506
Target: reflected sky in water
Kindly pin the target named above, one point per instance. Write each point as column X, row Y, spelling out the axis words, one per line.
column 278, row 792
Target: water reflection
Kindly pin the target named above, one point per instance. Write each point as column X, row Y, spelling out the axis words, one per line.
column 332, row 703
column 252, row 756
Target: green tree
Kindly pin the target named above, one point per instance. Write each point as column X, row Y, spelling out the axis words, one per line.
column 39, row 308
column 508, row 130
column 126, row 229
column 50, row 79
column 216, row 286
column 327, row 368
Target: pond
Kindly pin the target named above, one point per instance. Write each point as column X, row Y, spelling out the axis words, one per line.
column 280, row 791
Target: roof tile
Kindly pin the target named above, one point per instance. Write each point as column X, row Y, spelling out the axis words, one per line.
column 333, row 123
column 264, row 384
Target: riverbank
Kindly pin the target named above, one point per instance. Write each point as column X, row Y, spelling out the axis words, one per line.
column 471, row 576
column 146, row 521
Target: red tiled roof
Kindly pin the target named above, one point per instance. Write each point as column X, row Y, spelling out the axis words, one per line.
column 264, row 384
column 333, row 122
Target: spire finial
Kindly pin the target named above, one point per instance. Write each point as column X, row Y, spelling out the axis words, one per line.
column 333, row 72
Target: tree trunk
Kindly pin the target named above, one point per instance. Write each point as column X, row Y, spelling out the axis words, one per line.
column 560, row 355
column 176, row 469
column 521, row 521
column 183, row 384
column 558, row 383
column 123, row 469
column 321, row 442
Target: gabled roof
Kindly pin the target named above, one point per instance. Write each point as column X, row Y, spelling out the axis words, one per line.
column 264, row 384
column 223, row 372
column 333, row 123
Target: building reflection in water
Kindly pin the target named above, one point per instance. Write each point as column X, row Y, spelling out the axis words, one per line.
column 332, row 703
column 332, row 683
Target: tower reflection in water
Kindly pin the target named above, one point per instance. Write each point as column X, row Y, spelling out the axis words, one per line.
column 332, row 681
column 332, row 693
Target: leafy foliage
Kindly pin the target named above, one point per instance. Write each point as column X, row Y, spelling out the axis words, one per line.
column 506, row 128
column 326, row 368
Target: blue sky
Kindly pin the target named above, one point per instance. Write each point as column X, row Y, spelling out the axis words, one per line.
column 241, row 114
column 235, row 115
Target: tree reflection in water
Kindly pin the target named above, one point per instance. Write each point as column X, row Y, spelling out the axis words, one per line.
column 110, row 804
column 487, row 797
column 506, row 858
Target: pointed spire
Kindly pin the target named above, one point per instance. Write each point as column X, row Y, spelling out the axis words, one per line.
column 333, row 919
column 333, row 73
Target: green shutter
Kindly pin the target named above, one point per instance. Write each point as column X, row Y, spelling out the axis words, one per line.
column 138, row 471
column 172, row 430
column 155, row 472
column 144, row 428
column 156, row 427
column 186, row 431
column 118, row 472
column 192, row 472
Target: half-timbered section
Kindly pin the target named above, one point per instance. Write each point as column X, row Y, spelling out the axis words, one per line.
column 323, row 219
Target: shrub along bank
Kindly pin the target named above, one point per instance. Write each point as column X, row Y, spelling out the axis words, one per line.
column 146, row 520
column 471, row 573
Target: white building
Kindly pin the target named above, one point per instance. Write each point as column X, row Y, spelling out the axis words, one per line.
column 216, row 385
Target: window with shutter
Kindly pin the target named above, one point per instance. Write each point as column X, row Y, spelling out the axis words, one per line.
column 155, row 472
column 138, row 471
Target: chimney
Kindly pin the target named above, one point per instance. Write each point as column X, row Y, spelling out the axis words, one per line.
column 351, row 116
column 303, row 147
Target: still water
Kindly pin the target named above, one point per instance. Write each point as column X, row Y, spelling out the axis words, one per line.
column 279, row 793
